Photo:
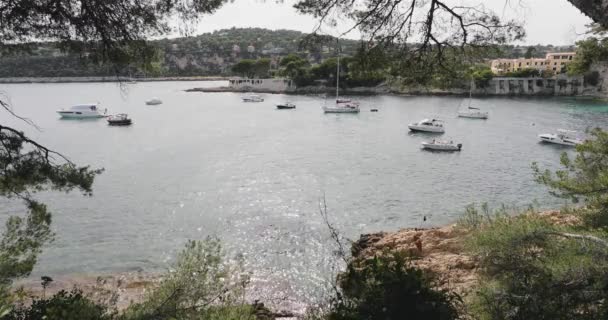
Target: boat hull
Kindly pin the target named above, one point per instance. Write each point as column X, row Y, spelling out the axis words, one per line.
column 473, row 115
column 441, row 147
column 120, row 122
column 285, row 107
column 416, row 128
column 556, row 140
column 340, row 110
column 78, row 115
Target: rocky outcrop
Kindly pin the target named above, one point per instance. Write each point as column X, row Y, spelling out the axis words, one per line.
column 441, row 251
column 437, row 250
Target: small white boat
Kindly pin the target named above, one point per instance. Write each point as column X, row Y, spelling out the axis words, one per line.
column 342, row 106
column 121, row 119
column 442, row 145
column 154, row 101
column 426, row 125
column 473, row 113
column 286, row 105
column 251, row 97
column 82, row 111
column 562, row 137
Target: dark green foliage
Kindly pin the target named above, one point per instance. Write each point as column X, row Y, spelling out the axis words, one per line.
column 523, row 73
column 62, row 306
column 252, row 68
column 530, row 52
column 535, row 270
column 592, row 78
column 584, row 178
column 297, row 69
column 482, row 76
column 244, row 68
column 589, row 51
column 201, row 286
column 389, row 287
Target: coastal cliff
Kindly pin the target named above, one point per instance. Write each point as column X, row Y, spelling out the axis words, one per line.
column 440, row 251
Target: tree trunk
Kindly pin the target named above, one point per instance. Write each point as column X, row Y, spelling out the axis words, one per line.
column 597, row 10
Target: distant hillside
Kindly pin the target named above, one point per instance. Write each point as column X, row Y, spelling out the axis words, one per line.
column 208, row 54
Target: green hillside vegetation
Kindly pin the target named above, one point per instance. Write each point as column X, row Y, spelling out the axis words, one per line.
column 209, row 54
column 214, row 54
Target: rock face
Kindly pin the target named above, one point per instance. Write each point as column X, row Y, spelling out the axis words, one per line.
column 602, row 69
column 440, row 251
column 597, row 10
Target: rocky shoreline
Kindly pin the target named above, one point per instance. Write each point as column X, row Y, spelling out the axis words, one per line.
column 103, row 79
column 439, row 251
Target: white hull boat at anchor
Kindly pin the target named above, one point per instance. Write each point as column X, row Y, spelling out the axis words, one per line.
column 82, row 111
column 473, row 113
column 426, row 125
column 562, row 137
column 252, row 98
column 442, row 146
column 154, row 101
column 342, row 106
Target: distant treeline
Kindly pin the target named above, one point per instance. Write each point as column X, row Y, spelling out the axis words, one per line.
column 209, row 54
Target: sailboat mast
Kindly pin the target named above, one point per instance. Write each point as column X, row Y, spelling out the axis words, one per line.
column 338, row 72
column 470, row 93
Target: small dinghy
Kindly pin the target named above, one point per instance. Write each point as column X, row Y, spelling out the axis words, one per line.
column 121, row 119
column 286, row 105
column 437, row 145
column 154, row 101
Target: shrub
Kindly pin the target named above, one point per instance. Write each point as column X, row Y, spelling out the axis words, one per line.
column 389, row 287
column 535, row 270
column 62, row 306
column 201, row 286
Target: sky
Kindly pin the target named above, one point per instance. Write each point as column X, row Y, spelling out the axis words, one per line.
column 554, row 22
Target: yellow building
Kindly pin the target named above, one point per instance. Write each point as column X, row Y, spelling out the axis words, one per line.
column 553, row 61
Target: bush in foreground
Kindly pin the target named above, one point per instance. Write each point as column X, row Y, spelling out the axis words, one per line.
column 532, row 268
column 73, row 305
column 390, row 287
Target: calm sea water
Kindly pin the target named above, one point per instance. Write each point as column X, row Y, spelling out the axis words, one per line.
column 207, row 164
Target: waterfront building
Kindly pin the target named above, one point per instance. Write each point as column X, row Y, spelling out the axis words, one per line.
column 554, row 61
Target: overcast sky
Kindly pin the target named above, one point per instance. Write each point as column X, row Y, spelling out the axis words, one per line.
column 546, row 21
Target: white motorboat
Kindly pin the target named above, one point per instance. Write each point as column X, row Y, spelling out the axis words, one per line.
column 426, row 125
column 342, row 105
column 154, row 101
column 82, row 111
column 252, row 97
column 442, row 145
column 562, row 137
